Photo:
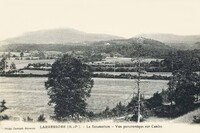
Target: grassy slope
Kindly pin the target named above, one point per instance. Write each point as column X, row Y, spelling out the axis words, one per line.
column 187, row 118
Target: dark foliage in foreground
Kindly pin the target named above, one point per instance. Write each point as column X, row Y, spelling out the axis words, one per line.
column 196, row 119
column 41, row 118
column 69, row 85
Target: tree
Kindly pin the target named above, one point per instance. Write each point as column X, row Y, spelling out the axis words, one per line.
column 184, row 84
column 41, row 55
column 21, row 55
column 12, row 66
column 155, row 101
column 9, row 55
column 3, row 64
column 185, row 87
column 133, row 106
column 106, row 113
column 69, row 85
column 119, row 110
column 185, row 91
column 181, row 60
column 41, row 118
column 2, row 106
column 171, row 91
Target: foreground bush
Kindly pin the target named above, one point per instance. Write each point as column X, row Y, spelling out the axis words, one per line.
column 41, row 118
column 196, row 119
column 4, row 117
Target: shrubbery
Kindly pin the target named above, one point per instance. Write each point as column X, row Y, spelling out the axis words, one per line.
column 41, row 118
column 129, row 76
column 196, row 119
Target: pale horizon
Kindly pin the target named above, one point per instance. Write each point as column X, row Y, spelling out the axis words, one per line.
column 126, row 18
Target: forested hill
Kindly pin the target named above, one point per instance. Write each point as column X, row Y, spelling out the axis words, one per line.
column 133, row 47
column 182, row 42
column 124, row 47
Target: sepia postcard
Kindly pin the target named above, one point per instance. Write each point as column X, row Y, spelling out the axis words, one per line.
column 99, row 66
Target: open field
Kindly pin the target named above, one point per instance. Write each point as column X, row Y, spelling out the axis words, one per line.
column 17, row 54
column 23, row 63
column 126, row 60
column 28, row 97
column 37, row 72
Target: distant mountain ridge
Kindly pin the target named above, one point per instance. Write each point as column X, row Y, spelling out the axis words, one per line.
column 58, row 36
column 183, row 42
column 171, row 38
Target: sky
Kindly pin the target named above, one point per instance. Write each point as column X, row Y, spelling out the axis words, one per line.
column 125, row 18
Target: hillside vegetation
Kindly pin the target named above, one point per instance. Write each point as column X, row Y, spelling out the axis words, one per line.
column 182, row 42
column 122, row 47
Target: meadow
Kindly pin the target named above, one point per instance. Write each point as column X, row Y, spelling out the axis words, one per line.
column 28, row 96
column 23, row 63
column 126, row 60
